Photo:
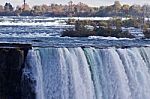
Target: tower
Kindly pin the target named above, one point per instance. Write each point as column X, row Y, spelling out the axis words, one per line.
column 24, row 2
column 70, row 8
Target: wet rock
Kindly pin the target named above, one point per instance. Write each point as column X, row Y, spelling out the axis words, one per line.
column 11, row 65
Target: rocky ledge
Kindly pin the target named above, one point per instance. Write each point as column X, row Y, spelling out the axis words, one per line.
column 12, row 58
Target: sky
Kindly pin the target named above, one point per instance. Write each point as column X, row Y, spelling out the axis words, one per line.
column 89, row 2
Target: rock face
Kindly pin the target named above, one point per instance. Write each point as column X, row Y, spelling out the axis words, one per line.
column 11, row 65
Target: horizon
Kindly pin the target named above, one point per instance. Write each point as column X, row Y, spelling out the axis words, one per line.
column 88, row 2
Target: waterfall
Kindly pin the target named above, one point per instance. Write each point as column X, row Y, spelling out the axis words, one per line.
column 90, row 73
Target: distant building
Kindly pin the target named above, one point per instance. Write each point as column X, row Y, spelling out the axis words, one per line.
column 25, row 7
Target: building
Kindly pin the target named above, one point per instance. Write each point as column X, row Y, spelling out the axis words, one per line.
column 25, row 7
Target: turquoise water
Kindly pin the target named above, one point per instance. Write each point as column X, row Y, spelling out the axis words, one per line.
column 90, row 73
column 78, row 68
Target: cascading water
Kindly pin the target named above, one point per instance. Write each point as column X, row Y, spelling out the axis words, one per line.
column 90, row 73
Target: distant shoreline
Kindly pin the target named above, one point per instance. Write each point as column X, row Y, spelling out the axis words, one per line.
column 76, row 10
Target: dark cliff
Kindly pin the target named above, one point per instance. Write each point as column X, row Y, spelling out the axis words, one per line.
column 12, row 59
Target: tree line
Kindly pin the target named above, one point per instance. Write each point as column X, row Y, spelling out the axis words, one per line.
column 78, row 10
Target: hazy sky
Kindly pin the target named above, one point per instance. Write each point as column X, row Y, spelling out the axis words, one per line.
column 89, row 2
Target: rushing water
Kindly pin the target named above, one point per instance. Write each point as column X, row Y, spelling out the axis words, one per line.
column 46, row 32
column 78, row 68
column 89, row 73
column 32, row 26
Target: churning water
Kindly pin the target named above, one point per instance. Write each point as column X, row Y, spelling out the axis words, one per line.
column 79, row 68
column 89, row 73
